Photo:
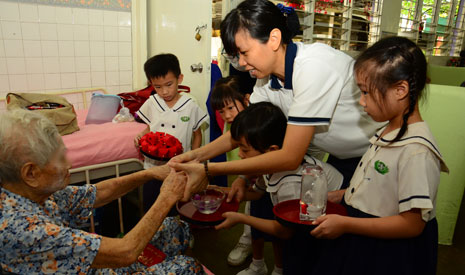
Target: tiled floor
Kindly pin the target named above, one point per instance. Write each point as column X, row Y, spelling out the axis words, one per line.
column 212, row 248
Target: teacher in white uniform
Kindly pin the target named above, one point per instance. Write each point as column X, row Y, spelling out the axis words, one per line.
column 312, row 83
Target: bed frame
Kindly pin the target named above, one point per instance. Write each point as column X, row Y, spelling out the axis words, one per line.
column 81, row 100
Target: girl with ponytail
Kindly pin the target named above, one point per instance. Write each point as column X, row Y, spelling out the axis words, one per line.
column 391, row 221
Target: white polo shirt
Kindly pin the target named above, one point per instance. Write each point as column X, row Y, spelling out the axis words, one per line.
column 284, row 186
column 319, row 90
column 181, row 120
column 394, row 178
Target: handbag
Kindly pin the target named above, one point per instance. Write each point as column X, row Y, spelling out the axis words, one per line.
column 134, row 100
column 54, row 107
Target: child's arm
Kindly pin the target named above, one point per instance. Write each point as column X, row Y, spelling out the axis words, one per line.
column 407, row 224
column 336, row 196
column 271, row 227
column 197, row 139
column 252, row 195
column 248, row 195
column 141, row 134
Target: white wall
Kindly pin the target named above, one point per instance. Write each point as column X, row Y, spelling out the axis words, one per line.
column 171, row 28
column 50, row 48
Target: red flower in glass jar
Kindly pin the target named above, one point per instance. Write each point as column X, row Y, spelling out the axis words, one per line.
column 160, row 146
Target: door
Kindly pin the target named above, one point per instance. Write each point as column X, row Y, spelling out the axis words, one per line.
column 172, row 27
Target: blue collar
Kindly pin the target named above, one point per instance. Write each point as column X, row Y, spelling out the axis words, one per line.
column 291, row 52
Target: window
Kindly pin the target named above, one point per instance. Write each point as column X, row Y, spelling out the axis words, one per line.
column 437, row 26
column 458, row 29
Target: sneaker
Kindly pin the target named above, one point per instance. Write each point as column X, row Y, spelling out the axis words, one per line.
column 239, row 253
column 254, row 270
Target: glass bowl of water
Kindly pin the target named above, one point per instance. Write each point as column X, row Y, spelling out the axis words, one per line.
column 208, row 200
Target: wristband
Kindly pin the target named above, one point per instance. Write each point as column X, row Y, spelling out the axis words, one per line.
column 205, row 166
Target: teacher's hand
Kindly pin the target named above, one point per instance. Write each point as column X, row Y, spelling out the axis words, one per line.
column 196, row 178
column 184, row 157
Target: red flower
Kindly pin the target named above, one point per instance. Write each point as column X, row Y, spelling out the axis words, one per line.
column 144, row 145
column 152, row 149
column 160, row 145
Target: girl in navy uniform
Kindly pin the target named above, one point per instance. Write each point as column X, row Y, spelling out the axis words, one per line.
column 229, row 98
column 391, row 226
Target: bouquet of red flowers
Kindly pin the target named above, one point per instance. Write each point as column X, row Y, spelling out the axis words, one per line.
column 160, row 146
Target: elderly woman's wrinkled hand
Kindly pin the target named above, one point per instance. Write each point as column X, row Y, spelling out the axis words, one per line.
column 196, row 178
column 174, row 185
column 160, row 172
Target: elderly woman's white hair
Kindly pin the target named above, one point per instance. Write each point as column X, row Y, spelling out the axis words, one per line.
column 25, row 136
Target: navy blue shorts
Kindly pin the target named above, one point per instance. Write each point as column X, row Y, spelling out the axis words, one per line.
column 262, row 208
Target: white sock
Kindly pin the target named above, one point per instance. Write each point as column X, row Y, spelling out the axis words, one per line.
column 260, row 262
column 278, row 270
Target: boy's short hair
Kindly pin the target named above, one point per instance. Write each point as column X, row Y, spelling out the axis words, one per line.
column 160, row 64
column 261, row 124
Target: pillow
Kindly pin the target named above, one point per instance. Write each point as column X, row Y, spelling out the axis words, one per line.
column 102, row 108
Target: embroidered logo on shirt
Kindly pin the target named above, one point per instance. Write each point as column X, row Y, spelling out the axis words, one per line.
column 185, row 118
column 381, row 167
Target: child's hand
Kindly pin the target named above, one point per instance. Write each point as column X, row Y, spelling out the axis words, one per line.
column 232, row 218
column 237, row 190
column 329, row 226
column 226, row 190
column 136, row 140
column 140, row 135
column 336, row 196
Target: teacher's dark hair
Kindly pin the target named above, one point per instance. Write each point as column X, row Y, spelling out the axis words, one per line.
column 259, row 18
column 261, row 125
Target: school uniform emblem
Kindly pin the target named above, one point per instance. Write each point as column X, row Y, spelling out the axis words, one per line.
column 381, row 167
column 185, row 118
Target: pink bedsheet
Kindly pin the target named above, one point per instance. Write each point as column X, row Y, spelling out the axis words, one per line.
column 98, row 143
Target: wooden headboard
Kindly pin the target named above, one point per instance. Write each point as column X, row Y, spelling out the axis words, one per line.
column 79, row 98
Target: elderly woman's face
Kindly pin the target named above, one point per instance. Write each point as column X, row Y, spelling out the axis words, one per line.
column 55, row 175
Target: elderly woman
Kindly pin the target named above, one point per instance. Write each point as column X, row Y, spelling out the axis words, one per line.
column 39, row 211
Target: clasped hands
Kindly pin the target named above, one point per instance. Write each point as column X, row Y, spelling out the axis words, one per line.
column 194, row 171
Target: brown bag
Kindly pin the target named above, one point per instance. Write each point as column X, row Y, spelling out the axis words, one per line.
column 54, row 107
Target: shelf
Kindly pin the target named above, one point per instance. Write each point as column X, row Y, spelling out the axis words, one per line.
column 365, row 21
column 316, row 37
